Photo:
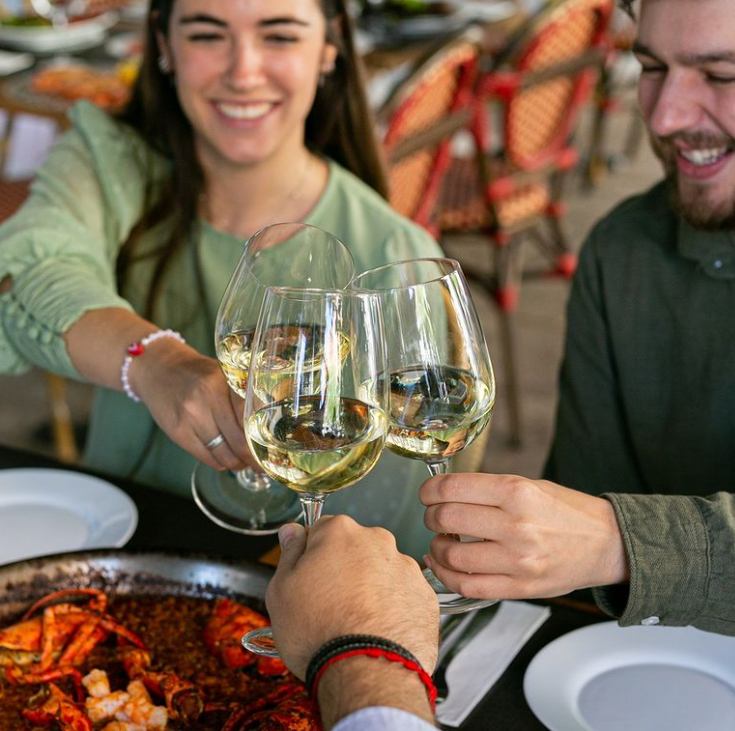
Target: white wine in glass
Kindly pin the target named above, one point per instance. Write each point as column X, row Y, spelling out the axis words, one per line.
column 283, row 254
column 321, row 427
column 442, row 386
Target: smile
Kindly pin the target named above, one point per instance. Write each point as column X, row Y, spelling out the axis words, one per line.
column 704, row 157
column 246, row 112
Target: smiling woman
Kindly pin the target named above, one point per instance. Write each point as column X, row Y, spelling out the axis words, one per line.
column 245, row 113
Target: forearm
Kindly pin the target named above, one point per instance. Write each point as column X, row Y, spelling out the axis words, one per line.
column 361, row 682
column 97, row 344
column 680, row 554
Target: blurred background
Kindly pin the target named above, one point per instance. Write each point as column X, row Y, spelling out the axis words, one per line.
column 507, row 155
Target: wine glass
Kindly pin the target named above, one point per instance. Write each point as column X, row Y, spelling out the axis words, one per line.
column 442, row 387
column 287, row 254
column 315, row 411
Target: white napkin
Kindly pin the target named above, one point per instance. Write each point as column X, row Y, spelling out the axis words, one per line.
column 477, row 667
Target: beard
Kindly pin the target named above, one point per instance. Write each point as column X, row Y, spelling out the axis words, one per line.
column 690, row 201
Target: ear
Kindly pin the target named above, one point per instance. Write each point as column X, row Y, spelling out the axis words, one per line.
column 163, row 49
column 329, row 58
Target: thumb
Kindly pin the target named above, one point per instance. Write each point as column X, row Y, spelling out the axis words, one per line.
column 292, row 538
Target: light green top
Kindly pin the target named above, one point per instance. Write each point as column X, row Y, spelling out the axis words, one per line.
column 61, row 248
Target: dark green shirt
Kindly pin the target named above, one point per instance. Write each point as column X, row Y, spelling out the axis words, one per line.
column 647, row 407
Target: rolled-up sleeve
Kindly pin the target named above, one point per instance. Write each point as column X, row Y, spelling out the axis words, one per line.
column 59, row 251
column 681, row 553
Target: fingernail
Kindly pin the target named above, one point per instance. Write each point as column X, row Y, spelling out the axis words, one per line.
column 427, row 561
column 286, row 533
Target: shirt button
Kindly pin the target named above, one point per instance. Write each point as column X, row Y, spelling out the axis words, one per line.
column 648, row 621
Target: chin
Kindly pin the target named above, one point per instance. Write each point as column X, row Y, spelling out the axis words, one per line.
column 697, row 208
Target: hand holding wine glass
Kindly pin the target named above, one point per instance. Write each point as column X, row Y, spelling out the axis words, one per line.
column 283, row 254
column 315, row 409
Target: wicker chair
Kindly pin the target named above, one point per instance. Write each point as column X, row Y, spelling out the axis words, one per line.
column 420, row 118
column 511, row 190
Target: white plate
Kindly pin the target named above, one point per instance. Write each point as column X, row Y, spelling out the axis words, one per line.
column 53, row 511
column 607, row 678
column 48, row 39
column 11, row 62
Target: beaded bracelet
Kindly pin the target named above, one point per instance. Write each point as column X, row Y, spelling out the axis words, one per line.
column 346, row 646
column 138, row 348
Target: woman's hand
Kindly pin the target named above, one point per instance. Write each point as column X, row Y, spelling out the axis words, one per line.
column 538, row 539
column 189, row 398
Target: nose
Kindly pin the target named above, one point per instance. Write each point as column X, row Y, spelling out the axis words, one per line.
column 246, row 68
column 678, row 104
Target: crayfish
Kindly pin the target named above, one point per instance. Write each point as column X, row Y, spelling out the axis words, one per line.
column 51, row 645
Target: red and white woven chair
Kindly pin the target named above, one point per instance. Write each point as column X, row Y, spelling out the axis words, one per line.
column 420, row 118
column 527, row 106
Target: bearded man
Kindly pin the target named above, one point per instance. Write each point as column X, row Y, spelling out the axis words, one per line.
column 646, row 416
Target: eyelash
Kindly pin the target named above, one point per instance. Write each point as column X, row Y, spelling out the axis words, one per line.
column 722, row 80
column 205, row 37
column 277, row 38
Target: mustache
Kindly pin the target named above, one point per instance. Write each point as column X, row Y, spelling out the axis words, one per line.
column 701, row 140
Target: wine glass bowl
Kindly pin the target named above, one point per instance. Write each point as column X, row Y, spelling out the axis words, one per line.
column 315, row 409
column 441, row 381
column 283, row 254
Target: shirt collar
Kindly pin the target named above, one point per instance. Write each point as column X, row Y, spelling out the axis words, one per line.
column 714, row 251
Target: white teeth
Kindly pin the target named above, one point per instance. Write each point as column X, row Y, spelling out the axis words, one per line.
column 703, row 157
column 244, row 111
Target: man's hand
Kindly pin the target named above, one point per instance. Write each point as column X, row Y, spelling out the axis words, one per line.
column 539, row 539
column 346, row 579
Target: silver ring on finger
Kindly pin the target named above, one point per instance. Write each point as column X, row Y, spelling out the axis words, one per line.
column 214, row 442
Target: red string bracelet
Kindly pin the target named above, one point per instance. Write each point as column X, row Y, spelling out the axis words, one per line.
column 377, row 652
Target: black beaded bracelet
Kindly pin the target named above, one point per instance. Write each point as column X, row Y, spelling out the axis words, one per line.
column 365, row 645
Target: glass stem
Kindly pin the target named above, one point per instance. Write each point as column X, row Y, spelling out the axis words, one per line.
column 252, row 480
column 438, row 468
column 312, row 505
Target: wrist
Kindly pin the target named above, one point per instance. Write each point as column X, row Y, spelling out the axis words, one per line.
column 360, row 682
column 155, row 347
column 613, row 568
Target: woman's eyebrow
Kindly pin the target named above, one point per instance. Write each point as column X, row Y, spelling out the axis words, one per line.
column 202, row 18
column 284, row 20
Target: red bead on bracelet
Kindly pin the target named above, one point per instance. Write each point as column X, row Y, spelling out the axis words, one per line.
column 138, row 348
column 379, row 652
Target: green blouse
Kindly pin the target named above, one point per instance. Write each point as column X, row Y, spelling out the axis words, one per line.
column 61, row 249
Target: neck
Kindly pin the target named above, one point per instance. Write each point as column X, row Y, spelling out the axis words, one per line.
column 239, row 200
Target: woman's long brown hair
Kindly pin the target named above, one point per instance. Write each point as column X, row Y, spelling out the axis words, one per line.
column 340, row 125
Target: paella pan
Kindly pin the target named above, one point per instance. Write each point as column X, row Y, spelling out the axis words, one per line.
column 120, row 641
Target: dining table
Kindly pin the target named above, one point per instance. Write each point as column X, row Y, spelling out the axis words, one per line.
column 170, row 523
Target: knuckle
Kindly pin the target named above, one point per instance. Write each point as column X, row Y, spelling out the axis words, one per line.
column 445, row 516
column 452, row 555
column 447, row 488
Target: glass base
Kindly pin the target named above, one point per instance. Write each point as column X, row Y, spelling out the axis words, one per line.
column 227, row 502
column 260, row 642
column 452, row 603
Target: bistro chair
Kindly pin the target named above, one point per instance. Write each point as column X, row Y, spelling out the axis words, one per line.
column 527, row 105
column 615, row 93
column 419, row 120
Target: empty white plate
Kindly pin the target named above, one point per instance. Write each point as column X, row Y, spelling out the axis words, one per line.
column 45, row 511
column 609, row 678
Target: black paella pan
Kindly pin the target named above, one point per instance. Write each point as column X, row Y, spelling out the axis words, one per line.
column 130, row 573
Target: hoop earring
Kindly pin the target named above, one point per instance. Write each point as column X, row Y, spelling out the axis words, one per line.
column 164, row 65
